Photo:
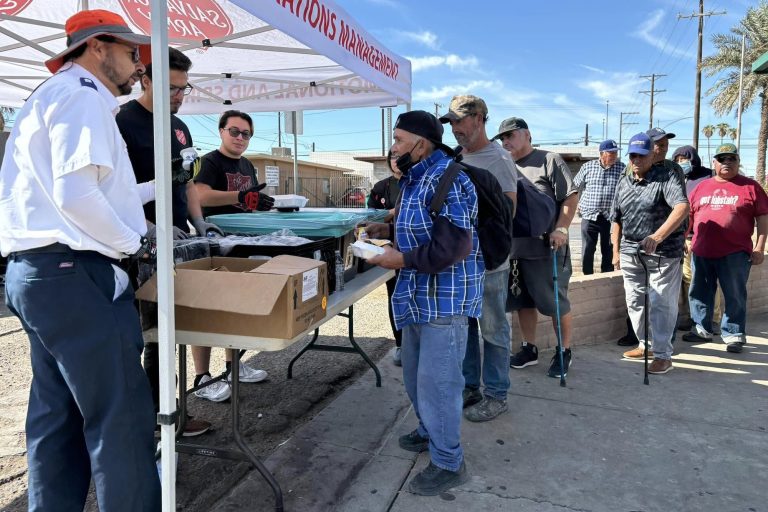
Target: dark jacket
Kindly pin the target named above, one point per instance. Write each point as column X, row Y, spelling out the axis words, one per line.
column 698, row 173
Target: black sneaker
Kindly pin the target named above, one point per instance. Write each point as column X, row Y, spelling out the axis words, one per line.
column 413, row 442
column 694, row 337
column 628, row 340
column 734, row 348
column 434, row 480
column 471, row 397
column 554, row 366
column 528, row 356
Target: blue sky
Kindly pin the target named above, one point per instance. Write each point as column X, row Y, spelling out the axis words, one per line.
column 554, row 63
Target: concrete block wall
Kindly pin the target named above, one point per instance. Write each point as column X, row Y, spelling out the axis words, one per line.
column 599, row 309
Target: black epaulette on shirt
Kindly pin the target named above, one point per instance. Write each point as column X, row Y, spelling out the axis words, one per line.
column 87, row 82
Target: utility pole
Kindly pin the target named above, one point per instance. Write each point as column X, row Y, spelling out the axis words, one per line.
column 697, row 100
column 606, row 120
column 741, row 91
column 652, row 92
column 438, row 106
column 622, row 124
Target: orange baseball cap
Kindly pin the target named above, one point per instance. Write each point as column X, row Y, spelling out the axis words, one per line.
column 82, row 26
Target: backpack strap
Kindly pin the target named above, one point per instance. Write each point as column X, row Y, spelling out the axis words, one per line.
column 443, row 187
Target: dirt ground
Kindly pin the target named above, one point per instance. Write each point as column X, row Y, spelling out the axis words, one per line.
column 270, row 410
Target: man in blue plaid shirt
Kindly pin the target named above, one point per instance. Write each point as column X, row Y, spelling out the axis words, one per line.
column 596, row 181
column 439, row 286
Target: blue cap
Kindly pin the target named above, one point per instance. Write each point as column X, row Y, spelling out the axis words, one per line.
column 609, row 146
column 657, row 134
column 640, row 144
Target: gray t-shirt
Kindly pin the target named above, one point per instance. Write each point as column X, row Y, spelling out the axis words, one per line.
column 549, row 173
column 498, row 162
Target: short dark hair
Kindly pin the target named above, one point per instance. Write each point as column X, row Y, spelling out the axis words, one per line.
column 177, row 61
column 235, row 113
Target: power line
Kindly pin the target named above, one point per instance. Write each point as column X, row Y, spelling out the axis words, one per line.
column 652, row 93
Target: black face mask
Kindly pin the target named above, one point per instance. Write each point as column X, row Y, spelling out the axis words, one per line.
column 405, row 162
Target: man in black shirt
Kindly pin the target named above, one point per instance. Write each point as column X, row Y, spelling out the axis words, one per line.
column 135, row 121
column 227, row 182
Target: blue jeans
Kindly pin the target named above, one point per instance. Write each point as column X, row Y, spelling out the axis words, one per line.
column 432, row 356
column 496, row 339
column 90, row 411
column 731, row 272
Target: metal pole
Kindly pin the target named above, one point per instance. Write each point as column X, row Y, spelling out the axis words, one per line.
column 295, row 156
column 697, row 103
column 653, row 90
column 606, row 120
column 741, row 91
column 166, row 325
column 279, row 132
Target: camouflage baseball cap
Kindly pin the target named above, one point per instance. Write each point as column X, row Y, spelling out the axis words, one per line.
column 464, row 105
column 726, row 149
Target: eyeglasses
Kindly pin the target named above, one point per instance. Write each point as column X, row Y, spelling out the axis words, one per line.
column 135, row 55
column 186, row 89
column 633, row 156
column 726, row 159
column 235, row 133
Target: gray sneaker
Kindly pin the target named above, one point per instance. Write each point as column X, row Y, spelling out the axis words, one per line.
column 486, row 410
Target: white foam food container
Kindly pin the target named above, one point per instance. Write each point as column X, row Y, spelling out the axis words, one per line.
column 290, row 201
column 365, row 250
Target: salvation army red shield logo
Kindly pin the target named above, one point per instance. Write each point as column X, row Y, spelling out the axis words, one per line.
column 181, row 137
column 188, row 20
column 13, row 7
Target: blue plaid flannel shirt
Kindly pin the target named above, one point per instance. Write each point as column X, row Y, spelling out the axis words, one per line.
column 458, row 290
column 599, row 188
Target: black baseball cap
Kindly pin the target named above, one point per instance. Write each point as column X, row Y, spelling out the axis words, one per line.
column 657, row 134
column 423, row 124
column 509, row 125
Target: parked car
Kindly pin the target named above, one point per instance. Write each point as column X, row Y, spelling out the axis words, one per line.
column 354, row 197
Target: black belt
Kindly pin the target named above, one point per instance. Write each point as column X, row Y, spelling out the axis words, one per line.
column 59, row 248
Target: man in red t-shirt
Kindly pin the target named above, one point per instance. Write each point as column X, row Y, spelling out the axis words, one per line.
column 724, row 210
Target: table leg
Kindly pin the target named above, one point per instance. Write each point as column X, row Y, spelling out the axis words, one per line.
column 355, row 348
column 239, row 437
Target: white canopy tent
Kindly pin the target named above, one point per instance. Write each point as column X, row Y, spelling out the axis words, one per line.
column 250, row 55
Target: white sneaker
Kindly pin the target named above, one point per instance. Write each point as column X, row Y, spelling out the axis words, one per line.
column 216, row 392
column 249, row 374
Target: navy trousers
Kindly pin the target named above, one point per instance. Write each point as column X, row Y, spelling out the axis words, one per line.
column 591, row 230
column 90, row 413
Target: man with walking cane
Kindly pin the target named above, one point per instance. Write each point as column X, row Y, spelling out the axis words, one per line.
column 648, row 217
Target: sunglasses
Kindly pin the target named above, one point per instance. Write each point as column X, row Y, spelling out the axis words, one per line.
column 234, row 132
column 135, row 55
column 725, row 159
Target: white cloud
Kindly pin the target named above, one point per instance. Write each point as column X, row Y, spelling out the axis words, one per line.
column 452, row 60
column 594, row 69
column 645, row 32
column 618, row 87
column 425, row 38
column 446, row 92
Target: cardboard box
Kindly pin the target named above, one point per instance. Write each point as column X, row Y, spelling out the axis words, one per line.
column 278, row 298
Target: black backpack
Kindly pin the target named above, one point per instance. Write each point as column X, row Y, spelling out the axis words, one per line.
column 535, row 219
column 494, row 211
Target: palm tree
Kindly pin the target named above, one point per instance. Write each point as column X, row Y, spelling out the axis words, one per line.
column 726, row 63
column 733, row 133
column 722, row 131
column 708, row 131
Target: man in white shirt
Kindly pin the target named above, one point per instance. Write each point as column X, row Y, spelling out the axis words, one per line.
column 71, row 210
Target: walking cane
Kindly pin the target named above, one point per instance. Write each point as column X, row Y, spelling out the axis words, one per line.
column 645, row 311
column 557, row 316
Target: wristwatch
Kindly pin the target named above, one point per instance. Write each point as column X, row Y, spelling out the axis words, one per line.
column 562, row 230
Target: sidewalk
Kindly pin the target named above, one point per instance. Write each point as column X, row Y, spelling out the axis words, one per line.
column 693, row 440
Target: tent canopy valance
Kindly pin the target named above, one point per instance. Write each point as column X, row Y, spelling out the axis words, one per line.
column 251, row 56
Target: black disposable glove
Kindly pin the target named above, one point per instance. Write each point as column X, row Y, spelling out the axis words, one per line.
column 147, row 252
column 253, row 200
